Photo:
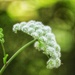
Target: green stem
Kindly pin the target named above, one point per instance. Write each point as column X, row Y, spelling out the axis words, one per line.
column 14, row 55
column 3, row 49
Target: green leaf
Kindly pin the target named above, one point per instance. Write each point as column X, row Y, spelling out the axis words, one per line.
column 5, row 58
column 1, row 30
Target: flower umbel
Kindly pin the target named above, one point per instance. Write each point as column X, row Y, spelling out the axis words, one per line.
column 45, row 40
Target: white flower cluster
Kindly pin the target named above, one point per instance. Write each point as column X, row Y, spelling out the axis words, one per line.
column 46, row 40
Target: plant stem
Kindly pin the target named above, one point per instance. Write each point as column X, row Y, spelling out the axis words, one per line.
column 3, row 49
column 14, row 55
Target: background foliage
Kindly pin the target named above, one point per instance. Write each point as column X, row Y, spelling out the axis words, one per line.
column 59, row 14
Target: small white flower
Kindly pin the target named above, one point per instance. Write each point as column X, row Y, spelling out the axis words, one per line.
column 58, row 62
column 16, row 27
column 37, row 45
column 51, row 63
column 49, row 50
column 59, row 54
column 57, row 47
column 25, row 29
column 22, row 24
column 51, row 43
column 40, row 32
column 39, row 23
column 34, row 35
column 46, row 29
column 43, row 38
column 31, row 30
column 50, row 36
column 31, row 23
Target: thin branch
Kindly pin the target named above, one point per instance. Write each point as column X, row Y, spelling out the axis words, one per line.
column 14, row 55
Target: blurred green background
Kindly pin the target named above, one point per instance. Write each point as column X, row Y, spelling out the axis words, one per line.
column 59, row 14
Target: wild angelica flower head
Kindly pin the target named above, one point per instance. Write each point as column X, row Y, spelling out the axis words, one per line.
column 1, row 35
column 46, row 41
